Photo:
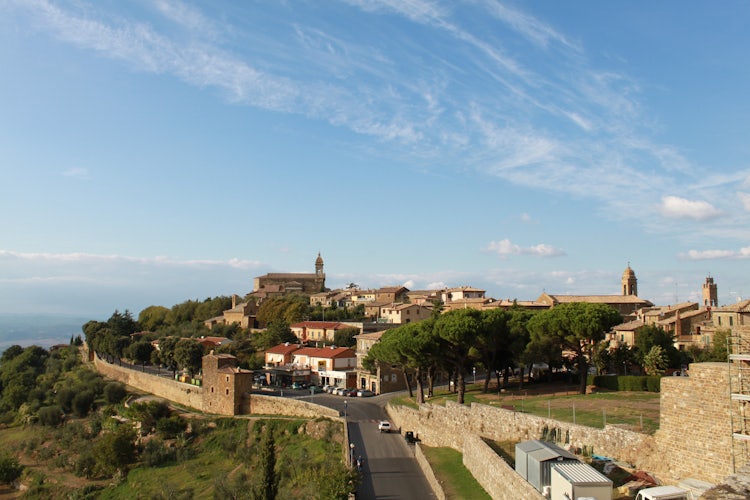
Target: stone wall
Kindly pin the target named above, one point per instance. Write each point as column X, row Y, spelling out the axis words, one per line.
column 272, row 405
column 429, row 475
column 695, row 435
column 178, row 392
column 448, row 425
column 499, row 480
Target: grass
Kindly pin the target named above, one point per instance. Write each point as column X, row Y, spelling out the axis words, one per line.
column 456, row 480
column 638, row 411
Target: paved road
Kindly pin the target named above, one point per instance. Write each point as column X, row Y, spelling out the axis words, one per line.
column 390, row 470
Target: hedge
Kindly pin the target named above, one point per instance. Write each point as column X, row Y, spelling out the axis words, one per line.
column 626, row 382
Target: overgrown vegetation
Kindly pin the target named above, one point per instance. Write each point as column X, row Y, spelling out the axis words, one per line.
column 68, row 435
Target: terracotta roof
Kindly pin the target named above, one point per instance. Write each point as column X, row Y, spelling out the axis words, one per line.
column 600, row 299
column 326, row 352
column 629, row 326
column 370, row 336
column 743, row 306
column 328, row 325
column 283, row 348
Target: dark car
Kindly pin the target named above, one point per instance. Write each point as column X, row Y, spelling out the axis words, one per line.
column 410, row 438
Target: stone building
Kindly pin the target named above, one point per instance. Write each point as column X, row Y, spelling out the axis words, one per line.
column 282, row 283
column 225, row 386
column 627, row 303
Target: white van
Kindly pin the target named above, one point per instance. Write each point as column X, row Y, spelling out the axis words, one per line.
column 664, row 493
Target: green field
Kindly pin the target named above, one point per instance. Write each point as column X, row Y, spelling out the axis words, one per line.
column 638, row 411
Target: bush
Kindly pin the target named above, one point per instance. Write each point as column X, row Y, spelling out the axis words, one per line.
column 64, row 398
column 155, row 453
column 82, row 403
column 114, row 392
column 10, row 469
column 631, row 383
column 171, row 426
column 50, row 416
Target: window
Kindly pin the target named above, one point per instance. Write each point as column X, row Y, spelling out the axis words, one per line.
column 731, row 321
column 227, row 392
column 227, row 378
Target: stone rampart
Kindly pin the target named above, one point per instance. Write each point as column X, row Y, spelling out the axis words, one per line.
column 447, row 425
column 178, row 392
column 499, row 480
column 272, row 405
column 695, row 436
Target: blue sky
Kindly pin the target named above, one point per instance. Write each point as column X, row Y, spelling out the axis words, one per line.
column 157, row 151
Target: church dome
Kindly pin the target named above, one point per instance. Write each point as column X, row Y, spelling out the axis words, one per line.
column 319, row 260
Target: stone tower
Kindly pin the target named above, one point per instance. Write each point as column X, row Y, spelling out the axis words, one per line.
column 319, row 266
column 710, row 293
column 629, row 282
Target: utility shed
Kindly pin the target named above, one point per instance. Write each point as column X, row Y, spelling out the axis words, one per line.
column 534, row 461
column 571, row 481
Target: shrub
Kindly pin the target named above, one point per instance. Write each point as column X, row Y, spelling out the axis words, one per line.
column 82, row 403
column 10, row 469
column 631, row 383
column 64, row 398
column 171, row 426
column 114, row 392
column 50, row 416
column 155, row 453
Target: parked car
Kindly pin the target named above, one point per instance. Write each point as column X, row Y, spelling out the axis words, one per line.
column 298, row 385
column 364, row 393
column 328, row 388
column 315, row 388
column 351, row 393
column 384, row 426
column 340, row 391
column 410, row 438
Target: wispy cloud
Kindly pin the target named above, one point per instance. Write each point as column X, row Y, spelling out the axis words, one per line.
column 506, row 248
column 742, row 253
column 89, row 258
column 577, row 129
column 745, row 200
column 77, row 172
column 676, row 207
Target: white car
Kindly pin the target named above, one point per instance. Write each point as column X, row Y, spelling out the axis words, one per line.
column 384, row 426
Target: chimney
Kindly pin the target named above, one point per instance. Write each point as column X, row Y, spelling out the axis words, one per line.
column 234, row 300
column 677, row 325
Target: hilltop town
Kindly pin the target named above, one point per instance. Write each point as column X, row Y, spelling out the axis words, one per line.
column 701, row 346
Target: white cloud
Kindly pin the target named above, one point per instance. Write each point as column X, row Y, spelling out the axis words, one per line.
column 676, row 207
column 742, row 253
column 91, row 259
column 745, row 199
column 78, row 172
column 506, row 247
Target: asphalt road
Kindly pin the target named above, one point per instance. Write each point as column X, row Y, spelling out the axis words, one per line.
column 390, row 470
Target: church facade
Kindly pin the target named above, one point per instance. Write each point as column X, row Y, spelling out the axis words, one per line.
column 283, row 283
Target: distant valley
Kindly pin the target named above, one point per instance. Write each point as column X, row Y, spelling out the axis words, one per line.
column 44, row 330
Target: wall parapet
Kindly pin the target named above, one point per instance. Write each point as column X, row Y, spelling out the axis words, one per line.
column 178, row 392
column 272, row 405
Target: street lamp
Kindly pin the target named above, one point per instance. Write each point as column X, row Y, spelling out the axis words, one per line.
column 474, row 369
column 345, row 408
column 351, row 454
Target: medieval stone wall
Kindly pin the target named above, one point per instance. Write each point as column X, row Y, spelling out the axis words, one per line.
column 499, row 480
column 180, row 393
column 695, row 435
column 448, row 425
column 272, row 405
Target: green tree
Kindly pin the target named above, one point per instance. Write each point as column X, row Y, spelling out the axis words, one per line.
column 276, row 333
column 288, row 309
column 577, row 327
column 113, row 451
column 269, row 479
column 718, row 351
column 153, row 318
column 655, row 361
column 457, row 332
column 189, row 355
column 652, row 335
column 345, row 337
column 167, row 347
column 140, row 352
